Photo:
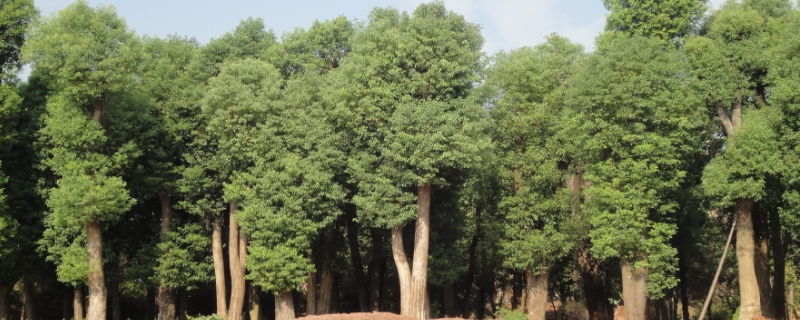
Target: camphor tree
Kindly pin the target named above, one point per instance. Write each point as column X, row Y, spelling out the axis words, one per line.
column 406, row 110
column 637, row 115
column 527, row 118
column 89, row 56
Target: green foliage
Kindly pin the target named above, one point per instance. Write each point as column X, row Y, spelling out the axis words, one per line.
column 15, row 16
column 183, row 260
column 668, row 21
column 507, row 314
column 248, row 40
column 316, row 50
column 639, row 118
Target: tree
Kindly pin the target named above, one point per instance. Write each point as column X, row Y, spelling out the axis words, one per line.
column 526, row 122
column 89, row 56
column 406, row 111
column 637, row 116
column 669, row 21
column 15, row 16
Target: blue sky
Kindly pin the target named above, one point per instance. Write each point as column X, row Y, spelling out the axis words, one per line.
column 506, row 24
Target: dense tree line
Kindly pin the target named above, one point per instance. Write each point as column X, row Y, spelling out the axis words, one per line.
column 390, row 165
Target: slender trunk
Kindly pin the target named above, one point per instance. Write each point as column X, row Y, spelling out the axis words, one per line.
column 450, row 300
column 518, row 292
column 77, row 303
column 219, row 266
column 254, row 302
column 183, row 304
column 237, row 249
column 29, row 294
column 375, row 266
column 284, row 306
column 779, row 265
column 325, row 295
column 114, row 294
column 311, row 289
column 65, row 306
column 761, row 235
column 149, row 304
column 355, row 260
column 593, row 284
column 634, row 291
column 403, row 270
column 745, row 256
column 5, row 294
column 536, row 287
column 707, row 304
column 473, row 261
column 419, row 269
column 683, row 286
column 166, row 303
column 97, row 284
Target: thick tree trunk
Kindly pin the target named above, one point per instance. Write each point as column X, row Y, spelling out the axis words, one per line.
column 413, row 281
column 536, row 295
column 284, row 306
column 237, row 255
column 183, row 304
column 219, row 266
column 254, row 302
column 375, row 266
column 150, row 304
column 166, row 296
column 97, row 284
column 403, row 270
column 450, row 300
column 29, row 297
column 355, row 261
column 325, row 294
column 5, row 294
column 746, row 258
column 114, row 295
column 166, row 303
column 593, row 284
column 77, row 303
column 634, row 291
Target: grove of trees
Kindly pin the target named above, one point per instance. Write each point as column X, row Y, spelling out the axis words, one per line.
column 389, row 165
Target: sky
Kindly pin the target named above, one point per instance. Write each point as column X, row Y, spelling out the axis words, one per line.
column 505, row 24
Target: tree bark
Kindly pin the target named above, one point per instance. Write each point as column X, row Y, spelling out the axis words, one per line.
column 779, row 248
column 77, row 303
column 5, row 294
column 750, row 307
column 355, row 260
column 325, row 294
column 114, row 295
column 375, row 266
column 311, row 289
column 284, row 306
column 634, row 291
column 761, row 235
column 536, row 295
column 403, row 270
column 166, row 303
column 97, row 284
column 237, row 255
column 724, row 119
column 473, row 260
column 450, row 300
column 29, row 296
column 219, row 266
column 683, row 285
column 419, row 270
column 593, row 284
column 254, row 302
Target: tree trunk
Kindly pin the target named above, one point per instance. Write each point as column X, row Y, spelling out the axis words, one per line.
column 779, row 247
column 536, row 287
column 166, row 303
column 114, row 294
column 683, row 285
column 5, row 295
column 237, row 255
column 325, row 294
column 97, row 284
column 473, row 261
column 419, row 270
column 634, row 291
column 761, row 235
column 219, row 266
column 375, row 266
column 403, row 270
column 284, row 306
column 450, row 300
column 77, row 303
column 311, row 289
column 355, row 260
column 254, row 302
column 29, row 296
column 166, row 296
column 149, row 304
column 183, row 304
column 746, row 258
column 593, row 284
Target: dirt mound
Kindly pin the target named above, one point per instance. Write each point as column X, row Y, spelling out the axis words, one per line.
column 361, row 316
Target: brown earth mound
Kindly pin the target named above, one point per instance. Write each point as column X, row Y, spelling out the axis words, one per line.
column 361, row 316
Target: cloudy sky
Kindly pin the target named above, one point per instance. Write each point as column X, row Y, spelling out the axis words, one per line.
column 506, row 24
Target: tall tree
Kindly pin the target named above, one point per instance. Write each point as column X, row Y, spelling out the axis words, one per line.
column 15, row 16
column 410, row 119
column 670, row 21
column 637, row 116
column 89, row 56
column 526, row 123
